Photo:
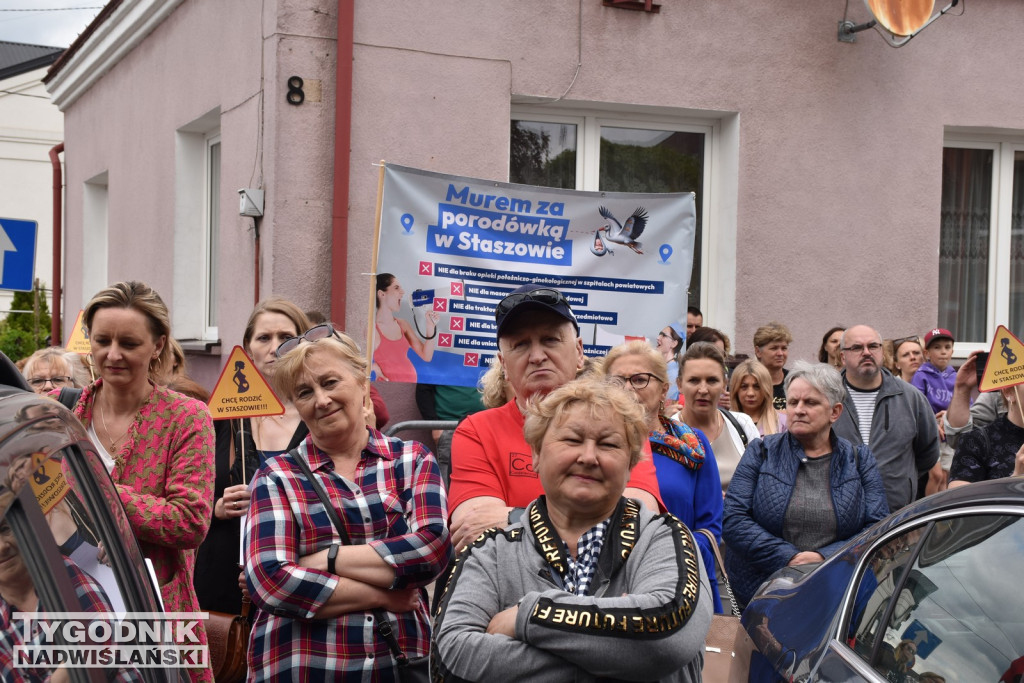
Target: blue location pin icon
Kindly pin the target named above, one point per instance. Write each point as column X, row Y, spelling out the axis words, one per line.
column 666, row 251
column 407, row 223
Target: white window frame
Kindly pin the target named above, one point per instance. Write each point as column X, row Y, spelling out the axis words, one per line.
column 95, row 233
column 193, row 251
column 720, row 180
column 1004, row 147
column 211, row 225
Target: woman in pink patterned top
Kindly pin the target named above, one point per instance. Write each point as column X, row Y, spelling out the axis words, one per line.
column 158, row 443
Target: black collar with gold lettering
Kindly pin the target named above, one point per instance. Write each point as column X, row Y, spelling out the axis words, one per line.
column 618, row 543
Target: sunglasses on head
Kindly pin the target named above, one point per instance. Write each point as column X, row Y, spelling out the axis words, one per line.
column 549, row 297
column 313, row 334
column 896, row 343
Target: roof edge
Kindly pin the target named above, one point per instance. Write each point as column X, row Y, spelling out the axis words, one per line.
column 31, row 64
column 115, row 32
column 99, row 19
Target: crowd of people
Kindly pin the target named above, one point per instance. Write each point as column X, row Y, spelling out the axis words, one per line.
column 567, row 518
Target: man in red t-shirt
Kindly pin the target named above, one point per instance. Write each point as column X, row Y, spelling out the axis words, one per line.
column 540, row 349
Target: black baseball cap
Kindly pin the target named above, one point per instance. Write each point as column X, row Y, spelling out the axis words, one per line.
column 533, row 297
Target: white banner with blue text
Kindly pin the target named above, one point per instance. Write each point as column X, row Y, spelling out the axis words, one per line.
column 451, row 248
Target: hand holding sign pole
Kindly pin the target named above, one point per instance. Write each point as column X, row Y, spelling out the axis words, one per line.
column 242, row 391
column 1005, row 367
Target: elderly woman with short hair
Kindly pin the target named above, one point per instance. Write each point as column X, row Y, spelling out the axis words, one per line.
column 325, row 601
column 797, row 497
column 571, row 593
column 54, row 368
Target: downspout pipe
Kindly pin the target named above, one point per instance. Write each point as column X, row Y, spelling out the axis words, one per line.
column 58, row 231
column 342, row 154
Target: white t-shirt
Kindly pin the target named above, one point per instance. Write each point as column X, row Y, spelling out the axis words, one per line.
column 105, row 456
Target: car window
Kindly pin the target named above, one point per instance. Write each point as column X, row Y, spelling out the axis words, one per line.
column 36, row 460
column 37, row 576
column 940, row 602
column 885, row 568
column 65, row 541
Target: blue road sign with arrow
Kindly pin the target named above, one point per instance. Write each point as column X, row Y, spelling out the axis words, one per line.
column 17, row 254
column 925, row 640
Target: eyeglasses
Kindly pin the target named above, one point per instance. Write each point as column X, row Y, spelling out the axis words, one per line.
column 873, row 347
column 62, row 381
column 313, row 334
column 549, row 297
column 638, row 381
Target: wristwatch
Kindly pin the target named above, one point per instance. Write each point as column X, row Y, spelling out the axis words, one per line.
column 332, row 555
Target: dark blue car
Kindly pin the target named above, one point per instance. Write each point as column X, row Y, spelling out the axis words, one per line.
column 933, row 593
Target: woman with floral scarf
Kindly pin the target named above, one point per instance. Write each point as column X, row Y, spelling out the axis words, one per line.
column 687, row 473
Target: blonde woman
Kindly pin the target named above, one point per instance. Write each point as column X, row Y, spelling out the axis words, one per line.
column 908, row 356
column 494, row 387
column 157, row 444
column 750, row 390
column 52, row 368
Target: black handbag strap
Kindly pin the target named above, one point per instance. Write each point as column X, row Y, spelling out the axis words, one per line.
column 383, row 623
column 723, row 579
column 735, row 423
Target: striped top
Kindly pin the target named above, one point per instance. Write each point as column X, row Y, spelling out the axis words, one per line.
column 864, row 402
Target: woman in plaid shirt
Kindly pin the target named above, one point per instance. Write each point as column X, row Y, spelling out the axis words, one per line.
column 319, row 600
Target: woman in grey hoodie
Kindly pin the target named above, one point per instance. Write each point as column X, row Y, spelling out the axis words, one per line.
column 590, row 584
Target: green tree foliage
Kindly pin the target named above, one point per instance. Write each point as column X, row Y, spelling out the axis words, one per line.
column 23, row 333
column 531, row 163
column 660, row 168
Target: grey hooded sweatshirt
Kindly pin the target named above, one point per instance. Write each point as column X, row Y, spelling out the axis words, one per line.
column 644, row 618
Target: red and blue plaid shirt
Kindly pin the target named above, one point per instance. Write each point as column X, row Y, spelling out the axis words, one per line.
column 396, row 505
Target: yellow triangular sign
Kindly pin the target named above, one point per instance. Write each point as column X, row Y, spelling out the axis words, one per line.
column 1005, row 366
column 47, row 481
column 241, row 391
column 79, row 341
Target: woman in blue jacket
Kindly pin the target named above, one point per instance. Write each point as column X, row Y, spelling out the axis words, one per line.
column 797, row 497
column 687, row 473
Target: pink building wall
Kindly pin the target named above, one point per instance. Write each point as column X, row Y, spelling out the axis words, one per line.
column 831, row 152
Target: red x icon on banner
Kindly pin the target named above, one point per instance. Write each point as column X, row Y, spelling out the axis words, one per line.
column 471, row 360
column 444, row 339
column 441, row 305
column 426, row 268
column 456, row 289
column 456, row 323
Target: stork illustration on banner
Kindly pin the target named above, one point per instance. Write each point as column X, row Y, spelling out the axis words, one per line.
column 626, row 234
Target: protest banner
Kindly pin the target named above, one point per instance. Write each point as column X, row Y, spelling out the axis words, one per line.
column 449, row 248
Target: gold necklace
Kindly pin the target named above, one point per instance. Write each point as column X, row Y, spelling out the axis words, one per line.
column 106, row 431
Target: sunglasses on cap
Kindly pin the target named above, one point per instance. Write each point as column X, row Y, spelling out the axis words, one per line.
column 313, row 334
column 548, row 297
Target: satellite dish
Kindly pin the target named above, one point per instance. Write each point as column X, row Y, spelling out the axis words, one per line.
column 902, row 17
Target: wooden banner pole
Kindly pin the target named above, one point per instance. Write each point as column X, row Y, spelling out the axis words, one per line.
column 371, row 326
